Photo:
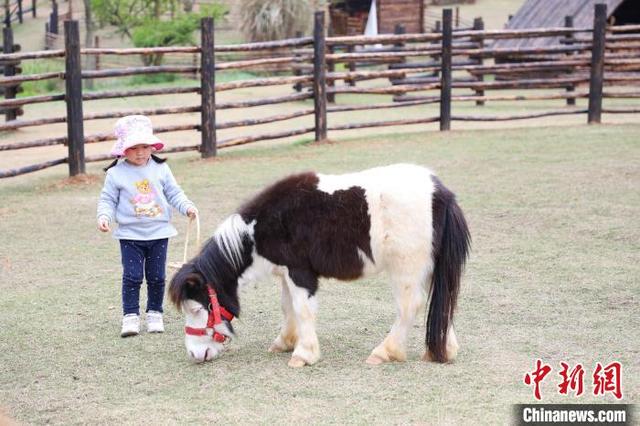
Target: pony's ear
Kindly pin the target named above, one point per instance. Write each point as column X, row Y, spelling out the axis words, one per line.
column 184, row 284
column 194, row 281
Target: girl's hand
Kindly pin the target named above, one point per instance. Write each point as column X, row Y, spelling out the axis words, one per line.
column 192, row 212
column 103, row 224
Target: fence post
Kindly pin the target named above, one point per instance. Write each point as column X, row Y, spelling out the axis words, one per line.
column 33, row 7
column 351, row 64
column 73, row 98
column 478, row 25
column 208, row 90
column 20, row 11
column 96, row 44
column 436, row 29
column 9, row 70
column 597, row 63
column 399, row 29
column 569, row 40
column 331, row 67
column 445, row 75
column 53, row 18
column 296, row 67
column 319, row 80
column 89, row 64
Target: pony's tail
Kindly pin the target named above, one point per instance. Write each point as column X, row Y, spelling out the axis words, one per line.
column 451, row 243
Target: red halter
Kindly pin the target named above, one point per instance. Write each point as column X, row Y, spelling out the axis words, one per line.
column 216, row 313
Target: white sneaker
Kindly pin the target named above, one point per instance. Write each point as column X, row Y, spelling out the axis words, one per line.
column 154, row 322
column 130, row 325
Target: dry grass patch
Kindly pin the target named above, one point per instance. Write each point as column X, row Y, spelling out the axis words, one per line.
column 553, row 274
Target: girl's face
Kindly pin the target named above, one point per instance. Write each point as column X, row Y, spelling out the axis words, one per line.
column 138, row 155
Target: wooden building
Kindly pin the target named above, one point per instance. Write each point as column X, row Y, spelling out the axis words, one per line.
column 349, row 17
column 551, row 13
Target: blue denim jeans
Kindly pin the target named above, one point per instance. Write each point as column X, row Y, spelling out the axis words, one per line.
column 140, row 259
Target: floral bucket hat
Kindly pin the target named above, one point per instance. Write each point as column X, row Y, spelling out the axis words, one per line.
column 134, row 130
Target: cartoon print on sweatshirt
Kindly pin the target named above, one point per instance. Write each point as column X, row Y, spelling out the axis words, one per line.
column 144, row 202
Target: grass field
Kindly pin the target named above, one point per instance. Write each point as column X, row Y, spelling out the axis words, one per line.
column 554, row 274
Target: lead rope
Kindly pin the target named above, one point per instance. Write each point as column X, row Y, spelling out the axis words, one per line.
column 186, row 240
column 178, row 265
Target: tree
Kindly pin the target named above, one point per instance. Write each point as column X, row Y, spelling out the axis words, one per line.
column 125, row 15
column 88, row 39
column 88, row 21
column 141, row 21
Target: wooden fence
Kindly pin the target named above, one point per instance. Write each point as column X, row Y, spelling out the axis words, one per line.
column 414, row 69
column 17, row 11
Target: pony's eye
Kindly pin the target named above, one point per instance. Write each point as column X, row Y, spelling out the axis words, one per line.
column 196, row 310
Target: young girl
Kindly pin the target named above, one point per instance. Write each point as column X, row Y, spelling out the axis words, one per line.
column 138, row 194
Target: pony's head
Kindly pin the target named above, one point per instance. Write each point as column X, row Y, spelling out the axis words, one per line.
column 206, row 289
column 207, row 322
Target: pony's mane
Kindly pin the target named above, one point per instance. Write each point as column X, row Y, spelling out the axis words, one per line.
column 229, row 236
column 224, row 258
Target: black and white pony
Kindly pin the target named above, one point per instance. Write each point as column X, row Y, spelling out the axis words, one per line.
column 399, row 219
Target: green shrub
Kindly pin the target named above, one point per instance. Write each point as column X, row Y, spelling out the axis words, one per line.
column 153, row 33
column 154, row 79
column 214, row 10
column 32, row 88
column 176, row 32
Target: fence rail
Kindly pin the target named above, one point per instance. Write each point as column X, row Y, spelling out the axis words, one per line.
column 444, row 68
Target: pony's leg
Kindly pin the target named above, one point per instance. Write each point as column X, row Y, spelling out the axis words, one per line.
column 409, row 296
column 286, row 340
column 452, row 347
column 302, row 286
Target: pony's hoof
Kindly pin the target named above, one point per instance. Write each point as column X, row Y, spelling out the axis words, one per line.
column 276, row 349
column 296, row 362
column 428, row 357
column 374, row 360
column 280, row 345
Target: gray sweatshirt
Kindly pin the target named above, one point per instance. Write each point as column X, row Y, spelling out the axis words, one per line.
column 139, row 199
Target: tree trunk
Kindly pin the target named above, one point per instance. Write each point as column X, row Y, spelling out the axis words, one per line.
column 187, row 5
column 157, row 59
column 88, row 38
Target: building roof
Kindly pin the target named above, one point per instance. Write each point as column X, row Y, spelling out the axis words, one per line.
column 551, row 13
